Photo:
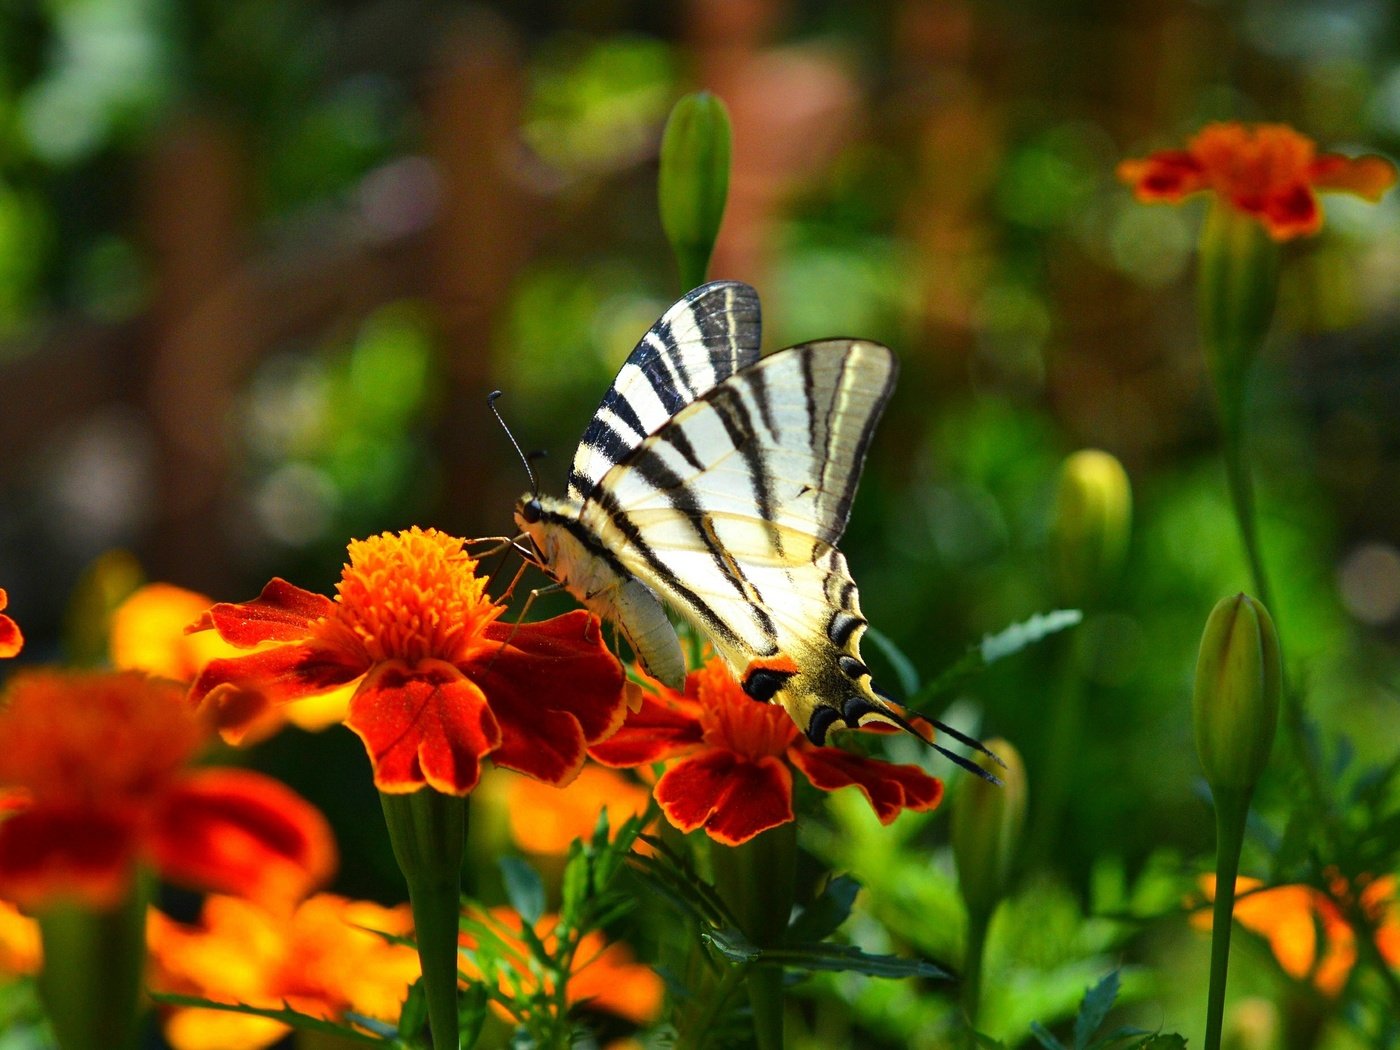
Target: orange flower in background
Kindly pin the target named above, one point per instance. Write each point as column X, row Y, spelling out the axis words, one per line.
column 1307, row 932
column 20, row 950
column 323, row 959
column 1268, row 171
column 605, row 976
column 99, row 767
column 148, row 634
column 443, row 683
column 545, row 820
column 731, row 760
column 11, row 640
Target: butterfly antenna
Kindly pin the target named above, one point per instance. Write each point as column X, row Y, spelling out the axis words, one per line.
column 963, row 738
column 491, row 404
column 952, row 756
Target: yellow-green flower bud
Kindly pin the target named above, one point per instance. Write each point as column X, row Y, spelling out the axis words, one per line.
column 1239, row 679
column 1237, row 286
column 1093, row 514
column 693, row 183
column 986, row 830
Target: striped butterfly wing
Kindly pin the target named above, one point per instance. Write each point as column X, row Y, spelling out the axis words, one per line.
column 731, row 511
column 700, row 341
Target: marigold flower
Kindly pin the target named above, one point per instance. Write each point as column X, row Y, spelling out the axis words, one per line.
column 1268, row 171
column 1307, row 933
column 20, row 950
column 103, row 762
column 605, row 976
column 442, row 682
column 11, row 640
column 148, row 634
column 545, row 820
column 731, row 760
column 326, row 959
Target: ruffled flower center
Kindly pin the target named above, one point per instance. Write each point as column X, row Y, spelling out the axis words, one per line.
column 95, row 738
column 1243, row 162
column 736, row 722
column 411, row 596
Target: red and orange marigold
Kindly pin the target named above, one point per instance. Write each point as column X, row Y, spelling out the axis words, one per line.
column 99, row 768
column 11, row 640
column 443, row 682
column 1268, row 171
column 730, row 760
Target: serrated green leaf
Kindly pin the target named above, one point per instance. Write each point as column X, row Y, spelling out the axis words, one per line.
column 904, row 668
column 850, row 959
column 575, row 884
column 731, row 943
column 413, row 1015
column 994, row 647
column 286, row 1015
column 1098, row 1000
column 1045, row 1038
column 524, row 889
column 820, row 919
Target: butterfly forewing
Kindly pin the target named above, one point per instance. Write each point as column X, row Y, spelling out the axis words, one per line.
column 701, row 340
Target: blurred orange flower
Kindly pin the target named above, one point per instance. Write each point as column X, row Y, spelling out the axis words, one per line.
column 321, row 960
column 442, row 682
column 545, row 820
column 20, row 950
column 148, row 634
column 11, row 640
column 1292, row 918
column 1268, row 171
column 98, row 771
column 605, row 976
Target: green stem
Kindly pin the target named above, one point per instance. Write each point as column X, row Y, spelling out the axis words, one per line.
column 977, row 925
column 427, row 830
column 700, row 1025
column 1242, row 496
column 94, row 962
column 1231, row 810
column 1062, row 734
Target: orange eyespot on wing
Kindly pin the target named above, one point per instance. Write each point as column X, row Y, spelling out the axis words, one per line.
column 765, row 676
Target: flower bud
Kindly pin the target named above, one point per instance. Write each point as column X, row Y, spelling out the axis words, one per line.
column 1093, row 511
column 986, row 830
column 693, row 183
column 1239, row 679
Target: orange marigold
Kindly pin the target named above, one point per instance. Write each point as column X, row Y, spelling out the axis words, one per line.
column 545, row 820
column 11, row 640
column 96, row 768
column 443, row 683
column 326, row 959
column 1268, row 171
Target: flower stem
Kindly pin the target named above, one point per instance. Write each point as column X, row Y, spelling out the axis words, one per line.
column 1231, row 810
column 427, row 830
column 93, row 964
column 1242, row 497
column 977, row 925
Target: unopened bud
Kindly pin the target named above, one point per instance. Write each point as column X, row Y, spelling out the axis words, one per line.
column 693, row 183
column 1093, row 513
column 986, row 830
column 1239, row 680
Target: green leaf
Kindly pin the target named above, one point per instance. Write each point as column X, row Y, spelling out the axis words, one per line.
column 904, row 668
column 472, row 1011
column 820, row 919
column 1162, row 1041
column 524, row 889
column 575, row 884
column 850, row 959
column 994, row 647
column 414, row 1013
column 731, row 943
column 1098, row 1000
column 286, row 1015
column 1044, row 1037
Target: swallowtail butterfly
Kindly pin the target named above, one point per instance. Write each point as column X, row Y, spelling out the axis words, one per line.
column 720, row 483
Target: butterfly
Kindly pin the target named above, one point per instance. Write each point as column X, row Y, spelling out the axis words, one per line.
column 719, row 483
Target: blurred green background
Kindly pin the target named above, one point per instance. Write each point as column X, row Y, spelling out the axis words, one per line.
column 260, row 263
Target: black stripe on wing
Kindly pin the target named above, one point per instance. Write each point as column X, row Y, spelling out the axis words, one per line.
column 701, row 340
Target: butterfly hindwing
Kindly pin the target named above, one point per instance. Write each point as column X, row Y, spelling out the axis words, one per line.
column 701, row 340
column 731, row 511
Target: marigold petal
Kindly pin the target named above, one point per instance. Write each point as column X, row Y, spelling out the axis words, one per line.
column 731, row 797
column 191, row 1028
column 888, row 787
column 610, row 979
column 281, row 613
column 661, row 727
column 555, row 689
column 1165, row 176
column 427, row 725
column 48, row 853
column 276, row 675
column 20, row 950
column 1369, row 176
column 1288, row 213
column 234, row 831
